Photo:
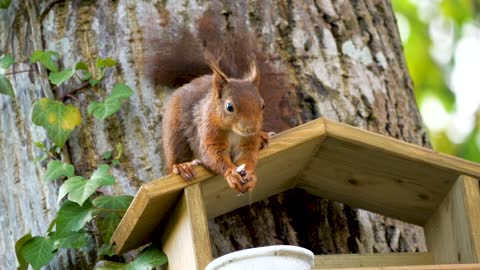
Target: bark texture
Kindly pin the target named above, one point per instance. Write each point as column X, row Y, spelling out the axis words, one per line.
column 341, row 60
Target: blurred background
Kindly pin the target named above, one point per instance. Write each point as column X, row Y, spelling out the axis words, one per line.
column 441, row 40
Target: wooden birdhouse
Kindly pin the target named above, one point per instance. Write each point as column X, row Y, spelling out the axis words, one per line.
column 337, row 162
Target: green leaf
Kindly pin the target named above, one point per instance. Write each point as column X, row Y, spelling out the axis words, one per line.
column 104, row 110
column 115, row 162
column 23, row 264
column 107, row 62
column 52, row 225
column 93, row 82
column 5, row 3
column 107, row 155
column 6, row 61
column 112, row 103
column 45, row 58
column 121, row 91
column 119, row 150
column 40, row 145
column 147, row 259
column 57, row 118
column 73, row 240
column 109, row 212
column 81, row 66
column 106, row 250
column 38, row 251
column 79, row 189
column 56, row 169
column 58, row 78
column 72, row 217
column 6, row 87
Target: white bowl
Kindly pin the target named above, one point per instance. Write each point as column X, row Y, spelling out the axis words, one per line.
column 272, row 257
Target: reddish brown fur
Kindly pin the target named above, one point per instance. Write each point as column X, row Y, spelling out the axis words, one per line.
column 196, row 125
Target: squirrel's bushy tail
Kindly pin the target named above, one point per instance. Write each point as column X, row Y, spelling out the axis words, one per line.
column 174, row 56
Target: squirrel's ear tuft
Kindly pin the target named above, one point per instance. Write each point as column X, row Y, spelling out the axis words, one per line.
column 253, row 74
column 219, row 78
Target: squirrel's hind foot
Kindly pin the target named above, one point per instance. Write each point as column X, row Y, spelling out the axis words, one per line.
column 186, row 169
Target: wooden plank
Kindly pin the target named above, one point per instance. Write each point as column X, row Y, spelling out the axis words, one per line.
column 381, row 174
column 421, row 267
column 276, row 173
column 152, row 203
column 199, row 226
column 177, row 241
column 392, row 146
column 369, row 260
column 453, row 231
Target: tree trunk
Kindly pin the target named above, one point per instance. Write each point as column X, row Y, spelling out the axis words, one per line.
column 341, row 60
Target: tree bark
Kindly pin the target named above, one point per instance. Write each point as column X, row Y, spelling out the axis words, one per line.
column 341, row 60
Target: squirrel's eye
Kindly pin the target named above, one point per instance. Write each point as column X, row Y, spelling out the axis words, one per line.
column 263, row 106
column 229, row 107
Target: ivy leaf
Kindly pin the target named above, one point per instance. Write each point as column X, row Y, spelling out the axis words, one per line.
column 45, row 58
column 57, row 118
column 23, row 264
column 93, row 82
column 147, row 259
column 103, row 110
column 110, row 210
column 112, row 103
column 106, row 250
column 121, row 92
column 58, row 78
column 83, row 69
column 5, row 3
column 106, row 62
column 79, row 189
column 107, row 155
column 38, row 251
column 73, row 240
column 6, row 61
column 81, row 66
column 56, row 169
column 72, row 217
column 40, row 145
column 6, row 87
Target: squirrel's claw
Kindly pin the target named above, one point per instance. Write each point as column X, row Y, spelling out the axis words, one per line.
column 186, row 169
column 265, row 136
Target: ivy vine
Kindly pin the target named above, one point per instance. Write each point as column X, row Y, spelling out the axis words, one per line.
column 85, row 212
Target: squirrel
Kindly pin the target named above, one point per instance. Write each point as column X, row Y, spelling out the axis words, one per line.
column 216, row 121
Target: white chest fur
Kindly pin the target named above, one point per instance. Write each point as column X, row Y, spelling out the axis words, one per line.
column 234, row 141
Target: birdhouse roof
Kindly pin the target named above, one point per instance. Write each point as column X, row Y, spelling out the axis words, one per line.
column 327, row 159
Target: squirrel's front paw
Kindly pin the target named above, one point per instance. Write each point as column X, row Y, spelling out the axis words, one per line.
column 234, row 179
column 249, row 180
column 265, row 137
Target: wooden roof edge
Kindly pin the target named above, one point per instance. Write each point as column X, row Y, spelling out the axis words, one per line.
column 400, row 148
column 124, row 229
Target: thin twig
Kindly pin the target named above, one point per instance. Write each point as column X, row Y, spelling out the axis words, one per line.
column 21, row 71
column 74, row 91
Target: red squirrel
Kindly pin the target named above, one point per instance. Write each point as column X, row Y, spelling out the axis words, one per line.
column 216, row 121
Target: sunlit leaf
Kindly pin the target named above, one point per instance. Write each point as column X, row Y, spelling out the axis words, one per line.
column 46, row 58
column 72, row 240
column 72, row 217
column 6, row 61
column 58, row 78
column 112, row 103
column 23, row 264
column 56, row 169
column 80, row 189
column 57, row 118
column 6, row 87
column 107, row 62
column 38, row 251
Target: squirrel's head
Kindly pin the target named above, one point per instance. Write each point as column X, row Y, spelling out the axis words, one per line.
column 238, row 101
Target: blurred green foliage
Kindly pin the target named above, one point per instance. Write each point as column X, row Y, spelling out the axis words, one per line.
column 430, row 77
